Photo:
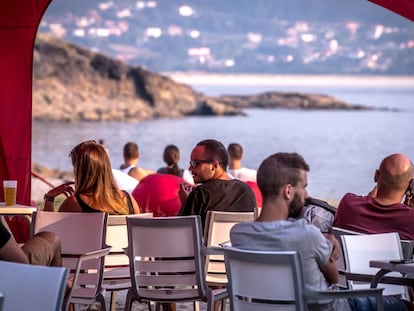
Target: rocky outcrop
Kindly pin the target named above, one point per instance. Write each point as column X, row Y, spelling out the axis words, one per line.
column 288, row 101
column 74, row 84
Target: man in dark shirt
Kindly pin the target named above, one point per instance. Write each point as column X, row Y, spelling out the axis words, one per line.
column 217, row 191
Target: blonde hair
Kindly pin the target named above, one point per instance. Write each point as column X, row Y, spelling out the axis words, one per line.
column 94, row 178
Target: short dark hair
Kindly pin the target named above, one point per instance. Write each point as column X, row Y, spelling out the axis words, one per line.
column 235, row 151
column 131, row 150
column 216, row 151
column 278, row 170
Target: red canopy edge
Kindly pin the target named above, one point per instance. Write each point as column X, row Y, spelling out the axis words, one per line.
column 19, row 20
column 402, row 7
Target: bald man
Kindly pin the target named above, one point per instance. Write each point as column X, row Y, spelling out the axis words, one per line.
column 382, row 210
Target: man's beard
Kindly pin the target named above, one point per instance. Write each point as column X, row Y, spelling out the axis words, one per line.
column 295, row 207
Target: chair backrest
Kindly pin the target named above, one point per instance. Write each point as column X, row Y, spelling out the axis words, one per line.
column 217, row 231
column 360, row 249
column 279, row 285
column 165, row 258
column 30, row 287
column 117, row 238
column 407, row 247
column 340, row 263
column 79, row 233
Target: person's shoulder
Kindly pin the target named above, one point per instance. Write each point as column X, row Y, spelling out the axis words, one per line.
column 70, row 204
column 244, row 226
column 248, row 170
column 162, row 170
column 352, row 197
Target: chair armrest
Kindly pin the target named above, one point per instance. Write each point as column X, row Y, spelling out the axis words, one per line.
column 95, row 254
column 212, row 250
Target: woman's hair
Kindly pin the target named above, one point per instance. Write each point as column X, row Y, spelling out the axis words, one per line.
column 93, row 178
column 172, row 157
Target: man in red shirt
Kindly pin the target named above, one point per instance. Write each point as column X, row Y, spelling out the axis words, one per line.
column 382, row 210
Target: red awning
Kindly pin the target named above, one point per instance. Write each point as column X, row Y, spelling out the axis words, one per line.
column 403, row 7
column 19, row 20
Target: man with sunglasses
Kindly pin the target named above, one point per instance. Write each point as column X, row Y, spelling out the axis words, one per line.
column 382, row 210
column 217, row 191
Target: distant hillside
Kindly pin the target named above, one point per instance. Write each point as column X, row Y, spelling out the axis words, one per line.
column 259, row 10
column 240, row 36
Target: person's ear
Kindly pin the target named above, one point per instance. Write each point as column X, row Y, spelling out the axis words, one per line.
column 288, row 191
column 215, row 165
column 376, row 176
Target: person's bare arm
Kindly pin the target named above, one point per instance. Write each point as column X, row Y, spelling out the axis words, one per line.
column 335, row 247
column 330, row 272
column 11, row 251
column 135, row 205
column 50, row 196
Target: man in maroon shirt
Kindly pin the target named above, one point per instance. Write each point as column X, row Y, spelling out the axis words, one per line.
column 382, row 210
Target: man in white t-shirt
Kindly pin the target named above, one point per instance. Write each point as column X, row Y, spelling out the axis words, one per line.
column 235, row 169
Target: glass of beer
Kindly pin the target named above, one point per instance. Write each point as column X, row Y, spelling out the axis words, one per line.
column 10, row 189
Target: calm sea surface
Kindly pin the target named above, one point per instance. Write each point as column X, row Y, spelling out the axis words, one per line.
column 343, row 148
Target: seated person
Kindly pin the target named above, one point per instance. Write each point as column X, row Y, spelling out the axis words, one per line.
column 282, row 179
column 171, row 157
column 42, row 249
column 235, row 168
column 96, row 189
column 130, row 165
column 217, row 191
column 381, row 211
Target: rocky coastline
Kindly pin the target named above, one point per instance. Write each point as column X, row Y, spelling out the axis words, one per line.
column 73, row 84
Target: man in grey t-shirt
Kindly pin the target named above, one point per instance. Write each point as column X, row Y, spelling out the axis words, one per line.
column 282, row 179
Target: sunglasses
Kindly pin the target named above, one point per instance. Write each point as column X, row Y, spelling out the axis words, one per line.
column 195, row 163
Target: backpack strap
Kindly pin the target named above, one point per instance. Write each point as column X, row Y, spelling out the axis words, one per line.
column 321, row 203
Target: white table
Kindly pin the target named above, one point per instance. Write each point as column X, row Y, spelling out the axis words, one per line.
column 16, row 210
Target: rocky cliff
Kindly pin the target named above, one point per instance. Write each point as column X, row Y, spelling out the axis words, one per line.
column 74, row 84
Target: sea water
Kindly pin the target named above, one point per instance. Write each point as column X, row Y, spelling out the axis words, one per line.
column 343, row 148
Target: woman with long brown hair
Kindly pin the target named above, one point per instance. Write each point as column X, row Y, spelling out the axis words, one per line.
column 95, row 187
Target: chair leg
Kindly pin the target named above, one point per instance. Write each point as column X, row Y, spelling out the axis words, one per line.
column 129, row 300
column 112, row 301
column 101, row 299
column 223, row 304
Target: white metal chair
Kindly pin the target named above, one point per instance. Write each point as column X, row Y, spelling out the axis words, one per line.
column 167, row 261
column 407, row 247
column 360, row 249
column 264, row 281
column 216, row 231
column 30, row 287
column 116, row 275
column 82, row 237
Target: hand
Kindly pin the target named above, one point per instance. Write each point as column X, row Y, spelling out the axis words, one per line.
column 65, row 188
column 184, row 191
column 335, row 250
column 409, row 201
